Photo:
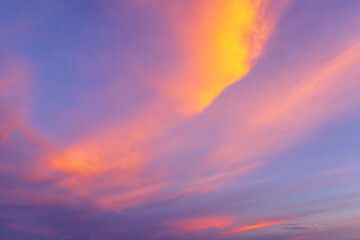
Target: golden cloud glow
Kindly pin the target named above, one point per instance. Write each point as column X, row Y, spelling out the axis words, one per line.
column 254, row 226
column 217, row 43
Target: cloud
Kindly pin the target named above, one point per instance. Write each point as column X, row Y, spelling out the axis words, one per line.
column 254, row 226
column 210, row 60
column 215, row 44
column 15, row 83
column 202, row 223
column 279, row 118
column 181, row 162
column 110, row 166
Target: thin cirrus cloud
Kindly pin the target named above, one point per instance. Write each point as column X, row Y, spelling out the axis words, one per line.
column 14, row 93
column 179, row 120
column 231, row 49
column 254, row 226
column 216, row 44
column 305, row 105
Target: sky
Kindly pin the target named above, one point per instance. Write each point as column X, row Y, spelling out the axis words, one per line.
column 179, row 120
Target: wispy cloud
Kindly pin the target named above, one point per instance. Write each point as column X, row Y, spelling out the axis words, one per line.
column 173, row 127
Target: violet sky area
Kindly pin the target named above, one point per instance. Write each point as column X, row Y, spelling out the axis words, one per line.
column 179, row 120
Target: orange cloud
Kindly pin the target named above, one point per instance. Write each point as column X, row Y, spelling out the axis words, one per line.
column 254, row 226
column 114, row 158
column 216, row 42
column 279, row 117
column 202, row 223
column 116, row 147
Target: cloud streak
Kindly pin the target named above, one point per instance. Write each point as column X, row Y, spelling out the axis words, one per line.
column 216, row 44
column 180, row 120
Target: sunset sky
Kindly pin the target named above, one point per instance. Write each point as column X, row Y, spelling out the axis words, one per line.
column 179, row 120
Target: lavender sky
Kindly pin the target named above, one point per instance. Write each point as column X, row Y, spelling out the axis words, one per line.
column 179, row 119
